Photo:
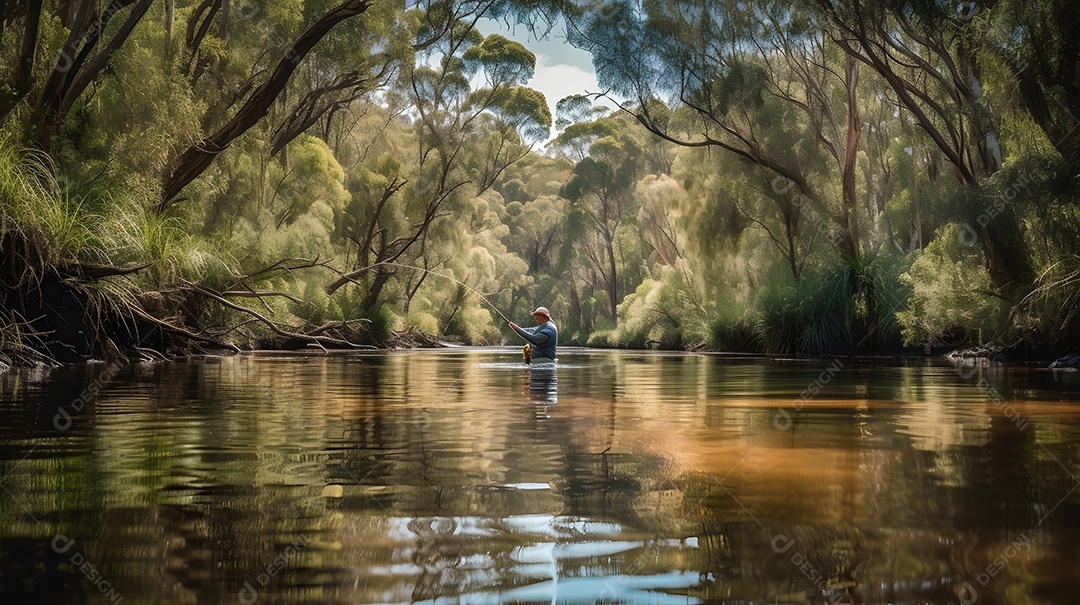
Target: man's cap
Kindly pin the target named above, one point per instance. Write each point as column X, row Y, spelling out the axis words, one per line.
column 542, row 311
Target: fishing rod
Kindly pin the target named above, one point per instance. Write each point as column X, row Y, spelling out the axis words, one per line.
column 443, row 275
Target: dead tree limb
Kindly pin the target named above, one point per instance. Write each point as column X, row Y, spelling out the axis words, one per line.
column 317, row 340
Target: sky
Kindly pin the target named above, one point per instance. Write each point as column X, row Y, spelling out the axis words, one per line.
column 561, row 69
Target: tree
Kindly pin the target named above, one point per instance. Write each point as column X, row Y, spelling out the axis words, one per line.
column 465, row 139
column 602, row 189
column 80, row 61
column 932, row 55
column 762, row 82
column 197, row 158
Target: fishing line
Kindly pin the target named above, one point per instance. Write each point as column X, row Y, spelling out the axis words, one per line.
column 443, row 275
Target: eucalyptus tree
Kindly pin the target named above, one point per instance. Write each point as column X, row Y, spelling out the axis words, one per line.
column 1039, row 43
column 936, row 58
column 258, row 97
column 936, row 55
column 602, row 191
column 766, row 84
column 464, row 138
column 70, row 68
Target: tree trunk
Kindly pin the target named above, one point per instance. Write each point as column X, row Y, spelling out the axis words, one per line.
column 791, row 235
column 410, row 293
column 3, row 18
column 372, row 297
column 982, row 122
column 170, row 10
column 68, row 11
column 223, row 26
column 22, row 80
column 198, row 25
column 613, row 283
column 74, row 71
column 575, row 304
column 197, row 158
column 849, row 244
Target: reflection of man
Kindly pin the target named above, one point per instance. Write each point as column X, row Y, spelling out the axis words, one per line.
column 543, row 338
column 544, row 387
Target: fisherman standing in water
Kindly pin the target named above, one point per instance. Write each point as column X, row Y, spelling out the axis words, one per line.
column 543, row 338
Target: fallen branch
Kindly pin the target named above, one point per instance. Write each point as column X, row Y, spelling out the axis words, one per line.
column 318, row 340
column 95, row 272
column 254, row 294
column 182, row 331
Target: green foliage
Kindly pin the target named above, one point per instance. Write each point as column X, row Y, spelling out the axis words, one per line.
column 576, row 109
column 810, row 316
column 952, row 300
column 525, row 109
column 503, row 61
column 661, row 313
column 410, row 166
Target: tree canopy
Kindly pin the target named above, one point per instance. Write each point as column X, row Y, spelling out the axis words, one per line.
column 817, row 176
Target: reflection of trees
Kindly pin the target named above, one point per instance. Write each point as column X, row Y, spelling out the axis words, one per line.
column 186, row 480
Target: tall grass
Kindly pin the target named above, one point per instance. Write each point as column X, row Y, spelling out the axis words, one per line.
column 51, row 225
column 42, row 212
column 808, row 316
column 842, row 310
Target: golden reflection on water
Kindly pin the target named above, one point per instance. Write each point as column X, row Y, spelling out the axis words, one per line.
column 458, row 476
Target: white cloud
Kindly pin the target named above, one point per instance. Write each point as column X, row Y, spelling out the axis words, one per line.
column 558, row 81
column 561, row 69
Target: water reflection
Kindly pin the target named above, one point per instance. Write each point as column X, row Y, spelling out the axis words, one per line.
column 543, row 386
column 459, row 476
column 551, row 558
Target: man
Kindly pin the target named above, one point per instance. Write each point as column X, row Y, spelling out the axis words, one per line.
column 543, row 338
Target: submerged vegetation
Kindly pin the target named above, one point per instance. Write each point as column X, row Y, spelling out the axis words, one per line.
column 816, row 177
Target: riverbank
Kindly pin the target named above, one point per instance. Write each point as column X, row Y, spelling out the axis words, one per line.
column 360, row 337
column 74, row 321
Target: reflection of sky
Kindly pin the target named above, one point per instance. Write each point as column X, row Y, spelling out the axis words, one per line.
column 614, row 589
column 544, row 545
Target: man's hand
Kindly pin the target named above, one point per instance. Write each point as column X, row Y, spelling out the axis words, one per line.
column 513, row 325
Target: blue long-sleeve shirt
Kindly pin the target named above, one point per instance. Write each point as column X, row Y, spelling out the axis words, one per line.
column 544, row 338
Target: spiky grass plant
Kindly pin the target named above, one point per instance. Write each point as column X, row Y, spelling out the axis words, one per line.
column 37, row 208
column 840, row 310
column 1053, row 305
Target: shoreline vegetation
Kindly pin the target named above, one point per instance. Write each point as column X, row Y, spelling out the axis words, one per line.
column 815, row 178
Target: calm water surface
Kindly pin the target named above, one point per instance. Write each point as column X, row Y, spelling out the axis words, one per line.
column 456, row 476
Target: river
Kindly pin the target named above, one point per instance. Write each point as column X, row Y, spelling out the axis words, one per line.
column 456, row 476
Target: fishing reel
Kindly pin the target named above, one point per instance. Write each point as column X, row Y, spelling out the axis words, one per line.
column 526, row 352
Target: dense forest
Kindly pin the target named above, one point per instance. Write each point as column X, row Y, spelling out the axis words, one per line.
column 807, row 176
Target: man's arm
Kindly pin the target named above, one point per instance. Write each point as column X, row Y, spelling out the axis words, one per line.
column 529, row 334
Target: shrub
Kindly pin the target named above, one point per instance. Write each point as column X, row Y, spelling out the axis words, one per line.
column 952, row 298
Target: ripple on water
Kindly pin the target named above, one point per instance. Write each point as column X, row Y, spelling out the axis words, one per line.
column 456, row 477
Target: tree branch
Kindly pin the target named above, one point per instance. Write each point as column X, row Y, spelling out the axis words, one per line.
column 198, row 157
